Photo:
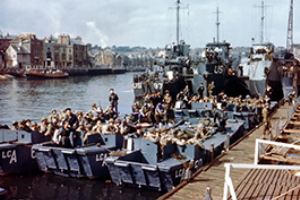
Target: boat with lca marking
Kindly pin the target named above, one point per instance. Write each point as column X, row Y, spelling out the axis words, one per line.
column 83, row 161
column 150, row 164
column 16, row 154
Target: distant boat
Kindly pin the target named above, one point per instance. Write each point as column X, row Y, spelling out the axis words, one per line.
column 16, row 72
column 5, row 77
column 45, row 74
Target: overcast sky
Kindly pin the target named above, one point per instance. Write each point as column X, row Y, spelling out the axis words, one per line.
column 148, row 23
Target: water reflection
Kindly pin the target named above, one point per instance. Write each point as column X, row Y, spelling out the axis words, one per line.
column 55, row 187
column 33, row 99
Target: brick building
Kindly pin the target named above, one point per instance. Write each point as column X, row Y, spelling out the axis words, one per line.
column 80, row 56
column 4, row 44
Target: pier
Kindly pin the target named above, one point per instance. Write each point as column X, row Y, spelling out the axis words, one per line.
column 212, row 176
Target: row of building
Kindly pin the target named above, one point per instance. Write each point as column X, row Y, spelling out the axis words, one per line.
column 64, row 52
column 26, row 50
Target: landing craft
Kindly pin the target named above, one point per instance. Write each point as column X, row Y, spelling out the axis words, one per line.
column 220, row 75
column 16, row 154
column 259, row 63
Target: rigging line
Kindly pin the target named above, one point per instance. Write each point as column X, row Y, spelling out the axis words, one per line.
column 283, row 194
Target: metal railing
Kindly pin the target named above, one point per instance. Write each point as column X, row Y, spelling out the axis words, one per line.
column 260, row 142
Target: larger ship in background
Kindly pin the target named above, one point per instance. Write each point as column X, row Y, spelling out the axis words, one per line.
column 219, row 65
column 178, row 71
column 175, row 72
column 259, row 61
column 257, row 67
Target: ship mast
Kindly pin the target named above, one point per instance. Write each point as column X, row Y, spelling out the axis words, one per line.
column 262, row 20
column 289, row 40
column 218, row 24
column 177, row 20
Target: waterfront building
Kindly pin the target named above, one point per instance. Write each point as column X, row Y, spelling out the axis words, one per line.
column 62, row 55
column 80, row 53
column 4, row 44
column 17, row 56
column 63, row 52
column 68, row 52
column 48, row 52
column 27, row 44
column 104, row 57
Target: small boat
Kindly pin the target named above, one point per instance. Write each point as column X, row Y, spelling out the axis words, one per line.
column 16, row 154
column 5, row 77
column 45, row 74
column 84, row 161
column 16, row 72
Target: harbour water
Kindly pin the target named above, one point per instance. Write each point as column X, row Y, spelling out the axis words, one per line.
column 34, row 99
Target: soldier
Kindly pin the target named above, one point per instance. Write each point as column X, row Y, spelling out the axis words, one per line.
column 168, row 98
column 200, row 91
column 265, row 113
column 267, row 130
column 64, row 135
column 159, row 113
column 72, row 119
column 113, row 99
column 210, row 89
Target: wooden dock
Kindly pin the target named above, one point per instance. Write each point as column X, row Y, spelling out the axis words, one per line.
column 213, row 175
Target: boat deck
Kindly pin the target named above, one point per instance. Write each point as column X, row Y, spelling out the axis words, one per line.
column 213, row 175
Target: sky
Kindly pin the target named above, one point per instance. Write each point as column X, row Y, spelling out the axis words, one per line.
column 149, row 23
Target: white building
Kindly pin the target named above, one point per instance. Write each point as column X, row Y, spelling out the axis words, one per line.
column 17, row 56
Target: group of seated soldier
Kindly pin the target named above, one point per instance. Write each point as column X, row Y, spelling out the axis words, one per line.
column 180, row 136
column 70, row 129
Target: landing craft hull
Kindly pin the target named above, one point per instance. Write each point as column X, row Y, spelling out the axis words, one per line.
column 16, row 158
column 86, row 161
column 16, row 154
column 162, row 176
column 142, row 168
column 69, row 162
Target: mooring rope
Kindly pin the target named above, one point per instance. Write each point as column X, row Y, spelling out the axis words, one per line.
column 275, row 198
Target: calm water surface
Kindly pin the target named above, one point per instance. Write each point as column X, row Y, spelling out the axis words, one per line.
column 34, row 99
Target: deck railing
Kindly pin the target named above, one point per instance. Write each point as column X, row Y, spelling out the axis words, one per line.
column 260, row 144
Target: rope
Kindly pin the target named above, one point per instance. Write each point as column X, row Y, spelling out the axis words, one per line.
column 298, row 186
